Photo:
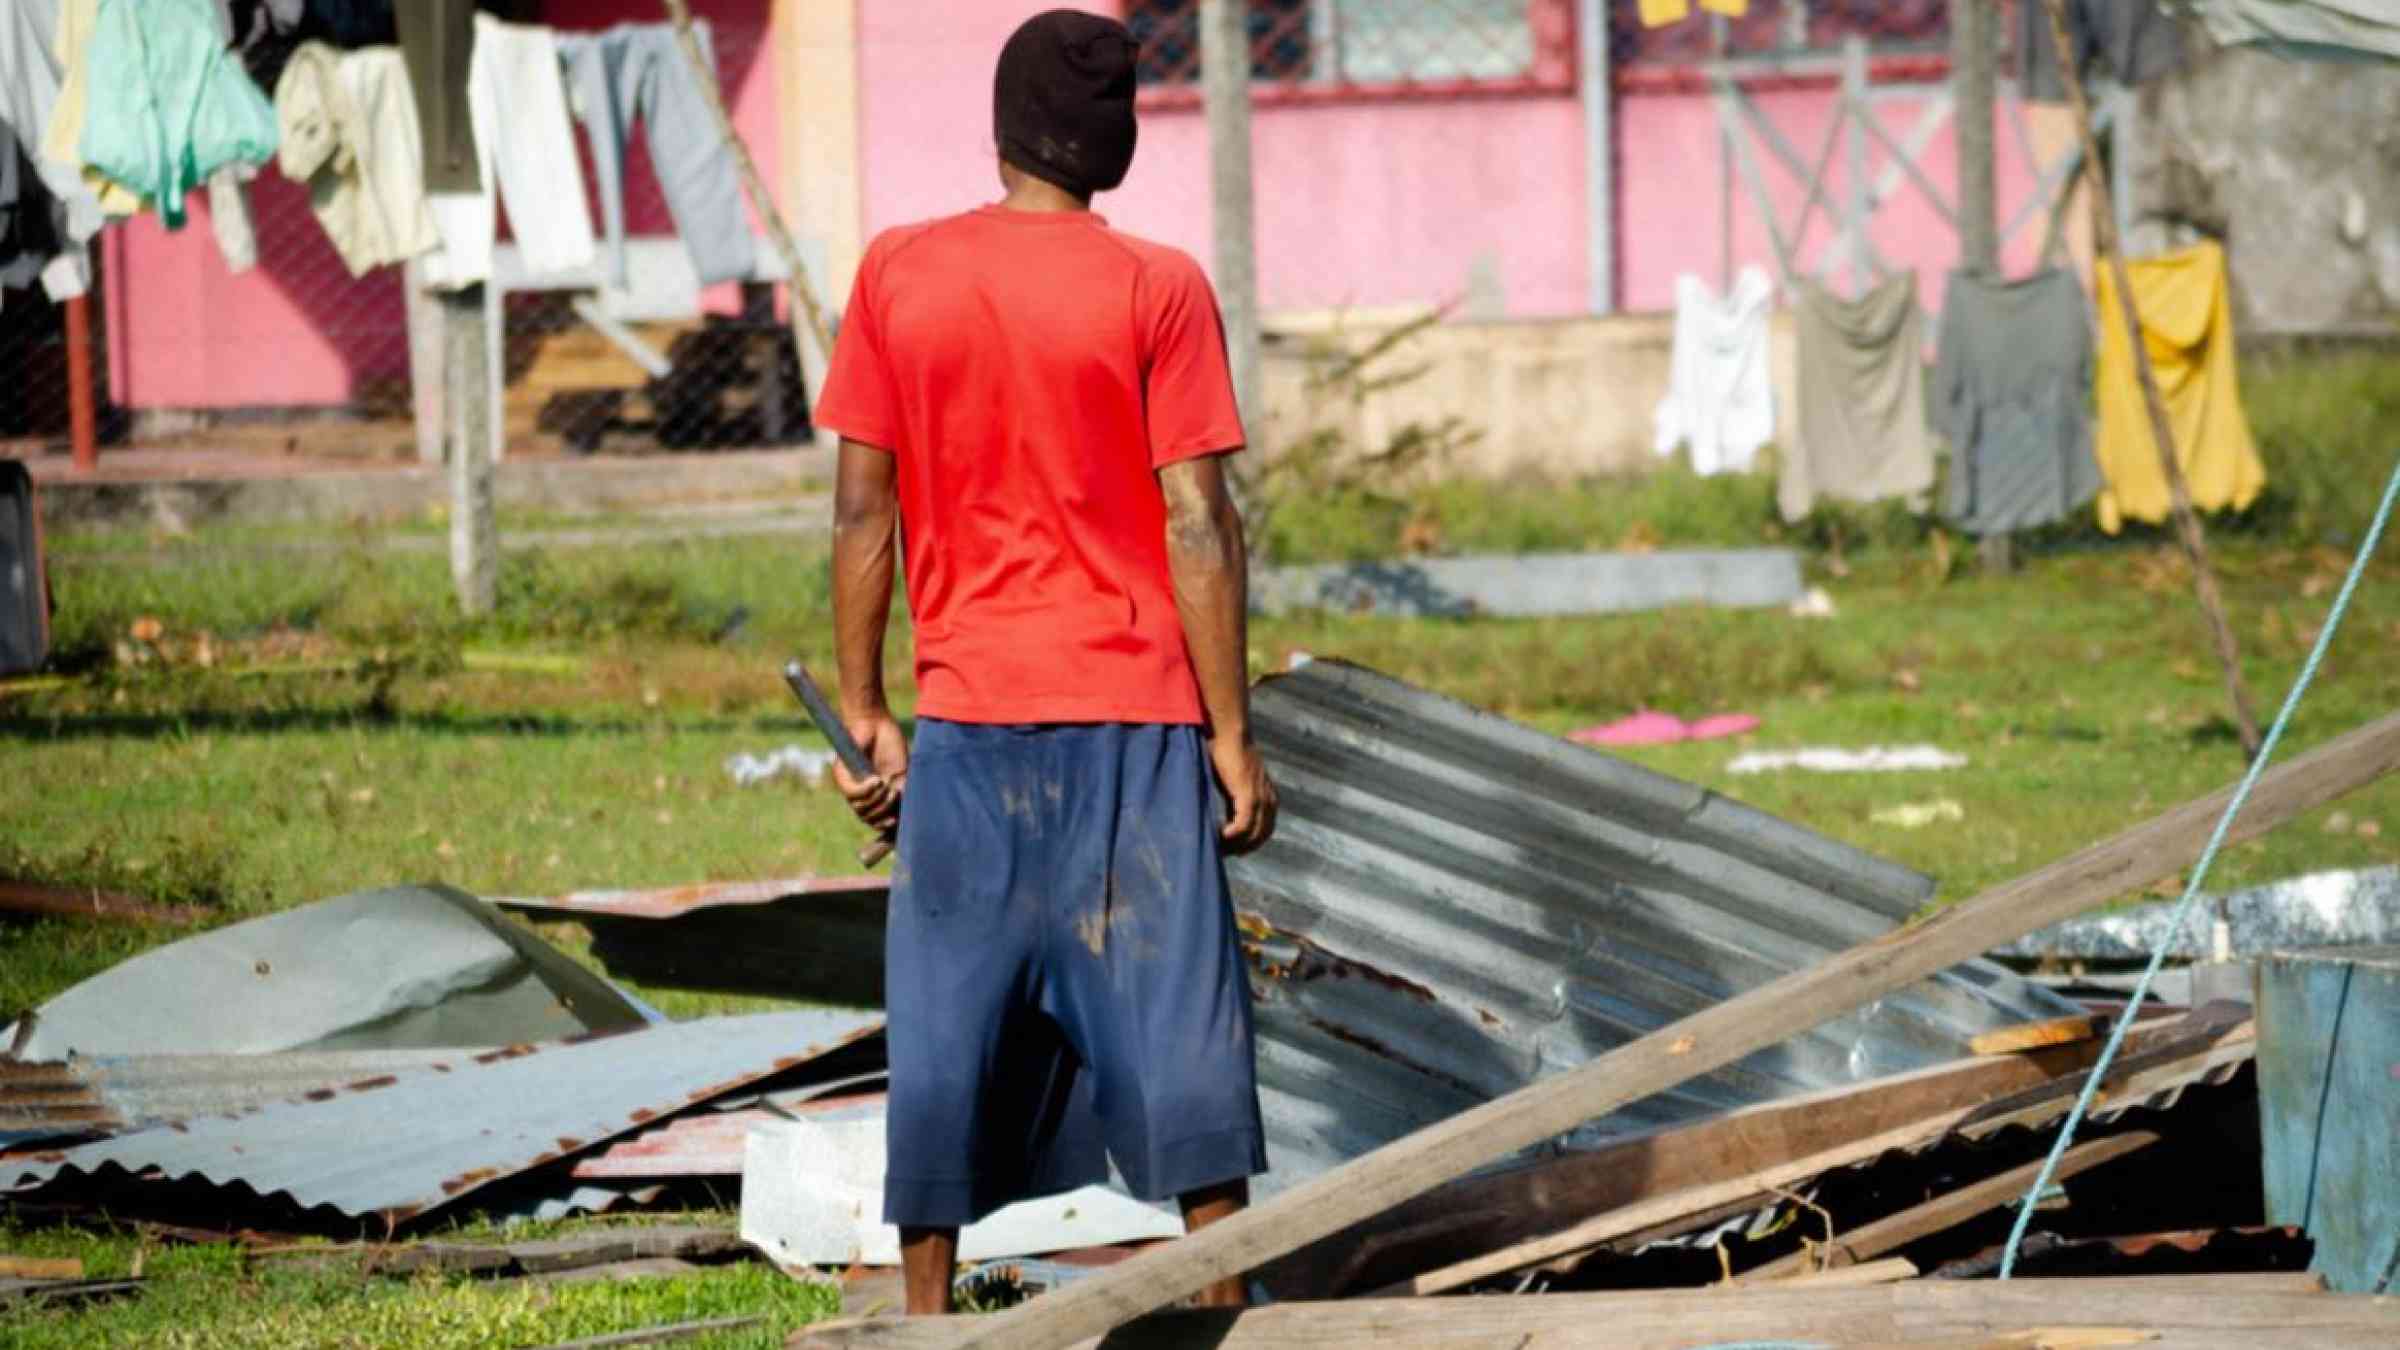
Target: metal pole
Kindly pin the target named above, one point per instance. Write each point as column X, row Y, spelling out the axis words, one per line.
column 1854, row 167
column 474, row 529
column 1726, row 131
column 83, row 423
column 2162, row 428
column 1973, row 27
column 1225, row 89
column 1596, row 73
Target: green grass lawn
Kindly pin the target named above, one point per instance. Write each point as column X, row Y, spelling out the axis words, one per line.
column 298, row 725
column 206, row 1297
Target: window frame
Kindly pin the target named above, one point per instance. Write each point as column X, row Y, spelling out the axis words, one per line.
column 1185, row 94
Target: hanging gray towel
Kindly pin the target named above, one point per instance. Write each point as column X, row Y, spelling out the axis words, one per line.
column 437, row 41
column 638, row 71
column 2011, row 394
column 2135, row 40
column 1860, row 432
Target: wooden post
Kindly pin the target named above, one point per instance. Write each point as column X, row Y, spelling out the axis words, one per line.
column 83, row 423
column 474, row 526
column 1674, row 1054
column 2162, row 428
column 805, row 310
column 1854, row 160
column 427, row 349
column 1596, row 76
column 1726, row 131
column 1225, row 89
column 1973, row 29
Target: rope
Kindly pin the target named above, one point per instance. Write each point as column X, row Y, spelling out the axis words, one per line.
column 2191, row 891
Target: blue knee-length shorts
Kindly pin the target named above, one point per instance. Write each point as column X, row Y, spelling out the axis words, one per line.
column 1063, row 979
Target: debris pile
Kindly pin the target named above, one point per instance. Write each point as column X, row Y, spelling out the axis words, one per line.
column 1531, row 1020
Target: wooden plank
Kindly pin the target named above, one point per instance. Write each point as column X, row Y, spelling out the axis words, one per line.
column 1944, row 1212
column 1485, row 1213
column 598, row 1247
column 37, row 900
column 679, row 1331
column 41, row 1267
column 2035, row 1035
column 655, row 1267
column 1844, row 1277
column 2284, row 1309
column 1683, row 1050
column 1600, row 1228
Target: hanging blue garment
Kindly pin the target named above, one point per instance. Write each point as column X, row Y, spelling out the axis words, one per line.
column 170, row 105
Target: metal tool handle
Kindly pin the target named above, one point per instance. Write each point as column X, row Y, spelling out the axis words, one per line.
column 845, row 746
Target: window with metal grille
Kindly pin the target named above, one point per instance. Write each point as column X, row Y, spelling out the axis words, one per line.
column 1303, row 48
column 1770, row 28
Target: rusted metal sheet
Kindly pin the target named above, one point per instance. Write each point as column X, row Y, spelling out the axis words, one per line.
column 706, row 1143
column 399, row 1145
column 813, row 938
column 110, row 1095
column 1455, row 905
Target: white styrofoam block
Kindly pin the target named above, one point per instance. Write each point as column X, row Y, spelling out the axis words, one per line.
column 812, row 1194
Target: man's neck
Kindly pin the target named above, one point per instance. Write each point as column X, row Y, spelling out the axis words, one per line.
column 1028, row 193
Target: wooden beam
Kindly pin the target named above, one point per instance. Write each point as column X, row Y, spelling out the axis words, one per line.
column 1847, row 1276
column 2285, row 1309
column 1945, row 1212
column 2034, row 1035
column 1769, row 1181
column 1683, row 1050
column 1486, row 1213
column 2162, row 428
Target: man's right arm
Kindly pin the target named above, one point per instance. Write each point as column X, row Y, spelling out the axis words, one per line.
column 1206, row 558
column 866, row 528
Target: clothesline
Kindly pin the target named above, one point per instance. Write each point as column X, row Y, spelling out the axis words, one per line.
column 2014, row 364
column 110, row 109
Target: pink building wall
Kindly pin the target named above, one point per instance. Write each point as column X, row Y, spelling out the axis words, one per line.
column 1366, row 203
column 1668, row 175
column 1376, row 202
column 298, row 329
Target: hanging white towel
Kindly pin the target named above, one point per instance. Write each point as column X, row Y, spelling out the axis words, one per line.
column 524, row 145
column 1720, row 393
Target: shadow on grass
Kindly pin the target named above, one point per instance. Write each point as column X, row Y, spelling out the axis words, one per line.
column 62, row 727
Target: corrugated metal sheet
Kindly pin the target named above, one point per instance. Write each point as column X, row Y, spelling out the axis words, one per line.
column 1536, row 584
column 400, row 966
column 1455, row 905
column 811, row 938
column 400, row 1145
column 2321, row 909
column 113, row 1094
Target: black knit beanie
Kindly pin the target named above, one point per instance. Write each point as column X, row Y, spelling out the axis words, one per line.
column 1062, row 101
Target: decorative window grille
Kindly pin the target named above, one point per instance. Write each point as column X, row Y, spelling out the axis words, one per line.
column 1300, row 48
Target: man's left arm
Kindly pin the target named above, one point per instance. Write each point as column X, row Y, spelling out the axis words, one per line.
column 866, row 534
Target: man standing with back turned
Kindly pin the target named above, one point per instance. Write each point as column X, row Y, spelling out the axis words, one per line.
column 1044, row 403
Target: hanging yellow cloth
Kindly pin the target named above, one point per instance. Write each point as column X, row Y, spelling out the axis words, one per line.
column 2187, row 324
column 1731, row 9
column 1660, row 13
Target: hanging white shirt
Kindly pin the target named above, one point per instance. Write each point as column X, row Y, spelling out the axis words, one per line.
column 524, row 147
column 1720, row 391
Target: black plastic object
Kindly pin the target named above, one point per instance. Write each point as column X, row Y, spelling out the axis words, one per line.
column 24, row 587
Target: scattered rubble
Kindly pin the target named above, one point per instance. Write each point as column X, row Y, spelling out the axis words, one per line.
column 1719, row 1085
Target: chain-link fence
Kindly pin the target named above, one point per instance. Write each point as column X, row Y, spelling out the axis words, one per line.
column 293, row 353
column 1351, row 47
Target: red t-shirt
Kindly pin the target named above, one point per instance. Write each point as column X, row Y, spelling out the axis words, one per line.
column 1032, row 371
